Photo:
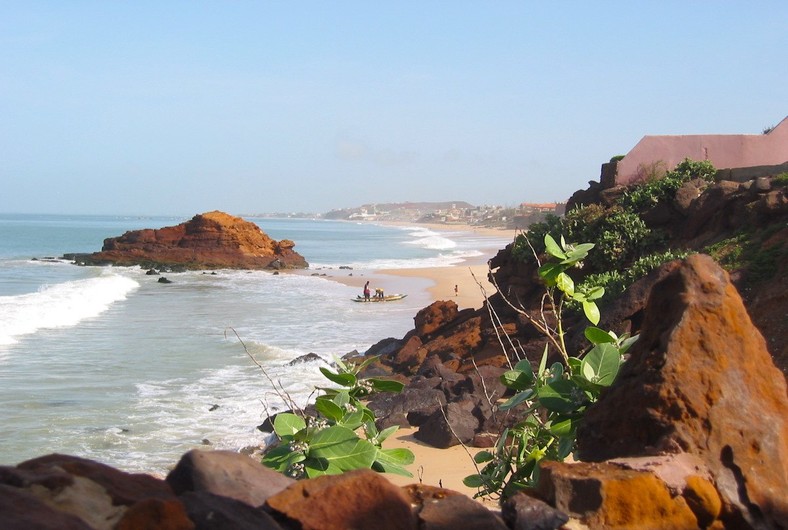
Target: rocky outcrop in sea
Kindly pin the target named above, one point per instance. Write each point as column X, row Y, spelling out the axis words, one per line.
column 212, row 240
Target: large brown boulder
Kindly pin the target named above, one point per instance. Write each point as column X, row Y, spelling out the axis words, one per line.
column 613, row 497
column 356, row 499
column 700, row 380
column 213, row 240
column 100, row 496
column 228, row 474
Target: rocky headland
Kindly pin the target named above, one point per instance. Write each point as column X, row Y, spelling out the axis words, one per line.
column 212, row 240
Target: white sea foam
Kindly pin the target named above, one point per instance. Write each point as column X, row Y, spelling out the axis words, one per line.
column 60, row 305
column 426, row 238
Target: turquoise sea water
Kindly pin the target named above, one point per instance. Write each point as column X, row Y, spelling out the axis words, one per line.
column 106, row 363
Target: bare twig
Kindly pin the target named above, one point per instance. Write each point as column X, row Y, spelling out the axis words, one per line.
column 281, row 392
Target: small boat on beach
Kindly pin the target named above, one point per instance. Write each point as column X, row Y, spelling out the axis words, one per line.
column 387, row 298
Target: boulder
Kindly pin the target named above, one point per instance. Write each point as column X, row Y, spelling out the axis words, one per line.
column 523, row 512
column 394, row 409
column 214, row 512
column 434, row 316
column 356, row 499
column 604, row 495
column 700, row 380
column 21, row 509
column 101, row 496
column 213, row 240
column 450, row 426
column 307, row 358
column 458, row 511
column 227, row 474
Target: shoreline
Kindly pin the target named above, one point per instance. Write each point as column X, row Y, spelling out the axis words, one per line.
column 465, row 283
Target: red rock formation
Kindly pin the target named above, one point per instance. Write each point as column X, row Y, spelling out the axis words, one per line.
column 701, row 381
column 213, row 240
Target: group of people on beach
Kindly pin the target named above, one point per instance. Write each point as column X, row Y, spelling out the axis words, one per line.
column 367, row 293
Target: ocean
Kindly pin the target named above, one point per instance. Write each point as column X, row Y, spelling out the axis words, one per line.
column 107, row 363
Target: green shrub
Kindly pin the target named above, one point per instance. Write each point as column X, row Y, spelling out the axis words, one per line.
column 616, row 282
column 619, row 236
column 729, row 252
column 644, row 196
column 781, row 179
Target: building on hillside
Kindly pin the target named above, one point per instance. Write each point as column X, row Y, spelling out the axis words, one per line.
column 656, row 154
column 529, row 213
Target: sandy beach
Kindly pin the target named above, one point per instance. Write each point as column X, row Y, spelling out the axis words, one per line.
column 465, row 283
column 434, row 467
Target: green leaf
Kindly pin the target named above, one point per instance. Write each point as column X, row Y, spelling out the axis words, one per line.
column 552, row 247
column 385, row 433
column 556, row 372
column 565, row 446
column 279, row 458
column 386, row 385
column 341, row 398
column 288, row 424
column 584, row 248
column 601, row 364
column 473, row 481
column 543, row 362
column 562, row 396
column 342, row 379
column 627, row 343
column 574, row 364
column 342, row 449
column 598, row 336
column 329, row 409
column 516, row 399
column 563, row 426
column 518, row 379
column 353, row 420
column 565, row 283
column 549, row 273
column 523, row 365
column 366, row 362
column 595, row 293
column 316, row 467
column 591, row 311
column 398, row 456
column 483, row 456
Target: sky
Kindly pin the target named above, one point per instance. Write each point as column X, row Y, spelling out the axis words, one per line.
column 181, row 107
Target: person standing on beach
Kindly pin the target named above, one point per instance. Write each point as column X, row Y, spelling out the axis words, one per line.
column 456, row 289
column 366, row 291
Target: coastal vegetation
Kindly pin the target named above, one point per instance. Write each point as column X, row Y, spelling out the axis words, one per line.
column 556, row 397
column 341, row 434
column 627, row 248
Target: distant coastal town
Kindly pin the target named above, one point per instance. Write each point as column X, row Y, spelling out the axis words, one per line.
column 458, row 212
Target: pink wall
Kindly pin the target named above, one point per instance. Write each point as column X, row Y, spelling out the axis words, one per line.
column 723, row 150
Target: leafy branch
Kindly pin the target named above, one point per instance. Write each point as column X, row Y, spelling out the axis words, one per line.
column 554, row 399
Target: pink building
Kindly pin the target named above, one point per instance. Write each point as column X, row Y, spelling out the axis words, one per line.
column 660, row 153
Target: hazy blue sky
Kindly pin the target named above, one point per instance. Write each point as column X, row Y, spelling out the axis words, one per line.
column 180, row 107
